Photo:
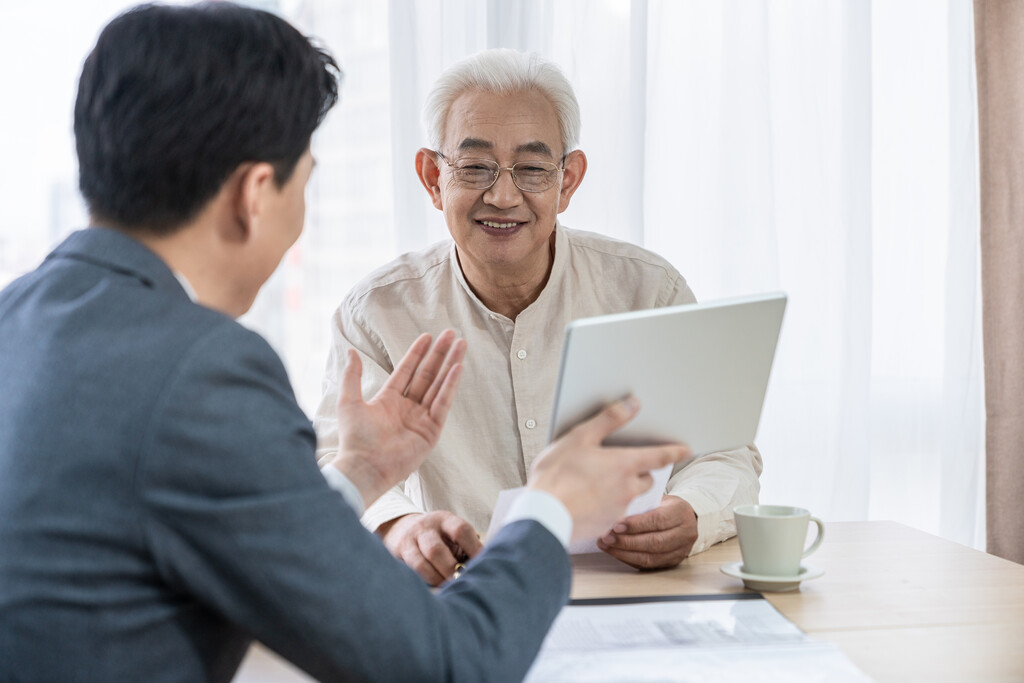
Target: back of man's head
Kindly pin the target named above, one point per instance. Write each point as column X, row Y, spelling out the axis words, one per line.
column 173, row 99
column 502, row 71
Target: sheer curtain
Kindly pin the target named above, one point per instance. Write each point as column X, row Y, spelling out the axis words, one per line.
column 827, row 148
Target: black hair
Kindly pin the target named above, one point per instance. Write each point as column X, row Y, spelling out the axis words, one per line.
column 173, row 99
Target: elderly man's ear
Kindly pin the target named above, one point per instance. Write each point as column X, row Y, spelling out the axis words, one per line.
column 428, row 171
column 575, row 169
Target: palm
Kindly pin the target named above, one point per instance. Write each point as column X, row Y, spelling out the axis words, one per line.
column 383, row 440
column 390, row 424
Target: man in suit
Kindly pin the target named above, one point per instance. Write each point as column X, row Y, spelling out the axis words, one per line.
column 160, row 504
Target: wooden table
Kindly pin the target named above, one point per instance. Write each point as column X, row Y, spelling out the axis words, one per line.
column 902, row 604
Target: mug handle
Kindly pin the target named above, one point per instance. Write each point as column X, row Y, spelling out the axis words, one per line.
column 818, row 539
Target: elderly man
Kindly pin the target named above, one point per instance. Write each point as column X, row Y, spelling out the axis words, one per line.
column 503, row 163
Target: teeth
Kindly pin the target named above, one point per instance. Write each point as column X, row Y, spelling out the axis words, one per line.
column 502, row 226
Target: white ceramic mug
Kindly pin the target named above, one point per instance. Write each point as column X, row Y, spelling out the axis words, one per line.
column 772, row 538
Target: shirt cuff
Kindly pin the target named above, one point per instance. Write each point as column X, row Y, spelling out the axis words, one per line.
column 545, row 509
column 714, row 525
column 391, row 505
column 337, row 480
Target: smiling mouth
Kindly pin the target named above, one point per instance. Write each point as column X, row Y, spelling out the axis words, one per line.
column 499, row 226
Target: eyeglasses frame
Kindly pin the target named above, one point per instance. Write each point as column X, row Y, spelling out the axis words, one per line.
column 560, row 167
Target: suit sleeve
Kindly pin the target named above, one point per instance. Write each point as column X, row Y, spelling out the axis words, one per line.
column 715, row 483
column 240, row 520
column 349, row 333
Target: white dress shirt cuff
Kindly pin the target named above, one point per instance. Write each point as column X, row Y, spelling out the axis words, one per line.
column 543, row 508
column 714, row 524
column 390, row 506
column 343, row 485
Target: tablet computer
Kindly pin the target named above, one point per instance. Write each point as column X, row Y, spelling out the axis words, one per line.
column 700, row 371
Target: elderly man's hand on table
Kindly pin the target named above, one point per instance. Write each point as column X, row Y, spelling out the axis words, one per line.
column 431, row 543
column 656, row 539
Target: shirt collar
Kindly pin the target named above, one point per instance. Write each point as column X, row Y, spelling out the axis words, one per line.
column 187, row 286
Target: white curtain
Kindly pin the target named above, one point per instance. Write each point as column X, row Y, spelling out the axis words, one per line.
column 827, row 148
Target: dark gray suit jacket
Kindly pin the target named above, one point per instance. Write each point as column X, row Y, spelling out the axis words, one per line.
column 160, row 506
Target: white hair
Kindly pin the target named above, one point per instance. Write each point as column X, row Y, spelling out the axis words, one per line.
column 503, row 71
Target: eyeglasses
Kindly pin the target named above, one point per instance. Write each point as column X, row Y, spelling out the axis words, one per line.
column 480, row 174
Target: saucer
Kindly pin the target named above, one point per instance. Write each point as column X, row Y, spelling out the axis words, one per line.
column 772, row 584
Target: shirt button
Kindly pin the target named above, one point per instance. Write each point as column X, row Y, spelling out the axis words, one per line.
column 531, row 423
column 522, row 354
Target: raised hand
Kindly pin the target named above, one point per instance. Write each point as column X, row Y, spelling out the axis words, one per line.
column 383, row 440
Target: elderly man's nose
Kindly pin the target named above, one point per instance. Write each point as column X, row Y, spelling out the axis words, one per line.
column 504, row 191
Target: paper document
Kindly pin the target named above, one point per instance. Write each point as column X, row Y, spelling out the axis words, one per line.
column 642, row 503
column 684, row 638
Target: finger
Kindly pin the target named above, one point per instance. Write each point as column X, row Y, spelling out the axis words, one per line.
column 645, row 523
column 416, row 561
column 442, row 403
column 403, row 372
column 429, row 366
column 667, row 515
column 642, row 560
column 611, row 418
column 462, row 534
column 455, row 355
column 656, row 542
column 671, row 512
column 437, row 553
column 351, row 376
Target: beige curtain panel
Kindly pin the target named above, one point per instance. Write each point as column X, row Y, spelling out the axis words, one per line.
column 999, row 47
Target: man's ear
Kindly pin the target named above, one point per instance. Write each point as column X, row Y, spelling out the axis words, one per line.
column 250, row 184
column 572, row 176
column 429, row 174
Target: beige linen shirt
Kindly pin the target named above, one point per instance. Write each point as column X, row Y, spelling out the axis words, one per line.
column 499, row 421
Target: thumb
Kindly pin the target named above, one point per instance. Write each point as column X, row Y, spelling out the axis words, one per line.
column 610, row 419
column 351, row 376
